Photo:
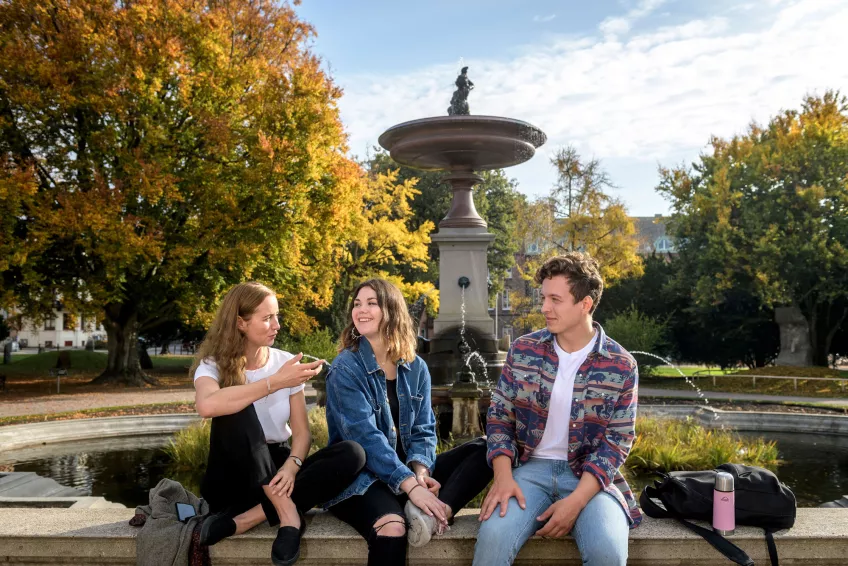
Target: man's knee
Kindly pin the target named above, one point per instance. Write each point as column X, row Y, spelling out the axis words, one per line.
column 604, row 550
column 605, row 555
column 390, row 526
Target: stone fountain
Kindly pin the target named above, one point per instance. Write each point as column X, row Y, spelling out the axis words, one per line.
column 461, row 144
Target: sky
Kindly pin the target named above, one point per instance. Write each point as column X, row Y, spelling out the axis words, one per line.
column 636, row 84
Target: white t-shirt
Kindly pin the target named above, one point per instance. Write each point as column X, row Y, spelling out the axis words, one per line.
column 274, row 410
column 554, row 442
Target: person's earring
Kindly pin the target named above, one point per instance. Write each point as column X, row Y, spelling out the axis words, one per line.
column 353, row 333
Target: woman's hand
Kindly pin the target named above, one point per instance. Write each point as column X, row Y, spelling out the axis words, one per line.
column 429, row 503
column 294, row 373
column 283, row 482
column 422, row 476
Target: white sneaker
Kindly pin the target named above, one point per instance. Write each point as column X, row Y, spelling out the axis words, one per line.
column 421, row 525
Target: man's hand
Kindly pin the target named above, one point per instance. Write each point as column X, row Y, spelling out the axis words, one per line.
column 503, row 488
column 561, row 517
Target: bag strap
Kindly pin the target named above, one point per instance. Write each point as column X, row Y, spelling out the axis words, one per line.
column 772, row 548
column 721, row 544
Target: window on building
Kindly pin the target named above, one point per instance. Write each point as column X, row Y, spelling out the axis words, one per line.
column 663, row 244
column 50, row 324
column 68, row 321
column 505, row 300
column 533, row 248
column 537, row 297
column 508, row 274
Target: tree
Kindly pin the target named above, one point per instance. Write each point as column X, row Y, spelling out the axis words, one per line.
column 740, row 330
column 767, row 213
column 4, row 328
column 156, row 152
column 494, row 199
column 383, row 245
column 579, row 215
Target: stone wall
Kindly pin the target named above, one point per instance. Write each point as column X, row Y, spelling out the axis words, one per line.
column 102, row 537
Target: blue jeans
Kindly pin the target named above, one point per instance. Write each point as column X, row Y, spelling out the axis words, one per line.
column 601, row 530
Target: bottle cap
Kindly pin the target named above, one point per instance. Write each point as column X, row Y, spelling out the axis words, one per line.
column 723, row 481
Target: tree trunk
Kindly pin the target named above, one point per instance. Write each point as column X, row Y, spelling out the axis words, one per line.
column 122, row 366
column 164, row 351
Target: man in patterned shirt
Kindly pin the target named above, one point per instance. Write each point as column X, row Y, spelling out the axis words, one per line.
column 560, row 426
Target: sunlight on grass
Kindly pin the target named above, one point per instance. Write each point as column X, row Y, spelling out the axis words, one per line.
column 672, row 444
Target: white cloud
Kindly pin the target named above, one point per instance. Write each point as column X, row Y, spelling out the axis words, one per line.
column 544, row 19
column 613, row 27
column 655, row 97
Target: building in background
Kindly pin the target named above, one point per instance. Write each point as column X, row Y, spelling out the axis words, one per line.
column 521, row 296
column 63, row 330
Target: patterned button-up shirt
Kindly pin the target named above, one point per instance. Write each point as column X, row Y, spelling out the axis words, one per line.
column 603, row 410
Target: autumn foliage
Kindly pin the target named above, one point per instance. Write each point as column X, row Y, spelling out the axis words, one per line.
column 155, row 152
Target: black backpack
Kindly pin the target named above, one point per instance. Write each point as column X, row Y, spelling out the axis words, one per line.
column 760, row 501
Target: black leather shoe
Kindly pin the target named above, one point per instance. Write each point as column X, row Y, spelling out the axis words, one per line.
column 216, row 528
column 286, row 548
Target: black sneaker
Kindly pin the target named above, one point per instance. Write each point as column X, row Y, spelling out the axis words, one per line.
column 216, row 528
column 286, row 548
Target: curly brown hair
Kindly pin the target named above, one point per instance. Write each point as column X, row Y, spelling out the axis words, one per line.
column 580, row 270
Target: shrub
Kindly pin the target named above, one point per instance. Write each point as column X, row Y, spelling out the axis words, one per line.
column 636, row 331
column 320, row 344
column 318, row 428
column 675, row 445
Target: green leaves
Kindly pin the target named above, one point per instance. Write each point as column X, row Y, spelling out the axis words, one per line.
column 768, row 212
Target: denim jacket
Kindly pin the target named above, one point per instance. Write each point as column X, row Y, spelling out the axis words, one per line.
column 358, row 410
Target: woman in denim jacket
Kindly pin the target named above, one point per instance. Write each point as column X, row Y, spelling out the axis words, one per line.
column 377, row 390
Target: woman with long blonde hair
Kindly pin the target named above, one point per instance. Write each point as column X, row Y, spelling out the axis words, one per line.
column 378, row 395
column 258, row 467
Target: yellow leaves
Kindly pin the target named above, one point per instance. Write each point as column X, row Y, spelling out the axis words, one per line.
column 380, row 237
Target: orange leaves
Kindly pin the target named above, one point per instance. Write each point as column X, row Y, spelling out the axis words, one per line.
column 181, row 147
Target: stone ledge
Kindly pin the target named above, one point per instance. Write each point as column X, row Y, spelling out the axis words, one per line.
column 31, row 434
column 754, row 421
column 102, row 537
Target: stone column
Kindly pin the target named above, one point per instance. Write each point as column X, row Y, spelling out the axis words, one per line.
column 795, row 349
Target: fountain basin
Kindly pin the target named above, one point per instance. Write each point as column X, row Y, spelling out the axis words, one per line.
column 462, row 143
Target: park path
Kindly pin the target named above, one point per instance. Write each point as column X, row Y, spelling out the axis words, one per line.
column 723, row 396
column 47, row 404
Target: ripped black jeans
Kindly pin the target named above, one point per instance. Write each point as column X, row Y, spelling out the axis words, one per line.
column 463, row 473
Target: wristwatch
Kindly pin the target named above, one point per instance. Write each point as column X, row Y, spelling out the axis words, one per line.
column 297, row 461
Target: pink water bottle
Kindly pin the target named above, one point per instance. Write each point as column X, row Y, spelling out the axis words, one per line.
column 724, row 510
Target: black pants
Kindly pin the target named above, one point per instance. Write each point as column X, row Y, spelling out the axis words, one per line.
column 241, row 462
column 463, row 473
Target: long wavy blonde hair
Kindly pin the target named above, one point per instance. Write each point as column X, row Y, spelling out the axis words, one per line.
column 396, row 327
column 224, row 342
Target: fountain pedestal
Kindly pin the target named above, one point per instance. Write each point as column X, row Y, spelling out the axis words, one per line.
column 461, row 145
column 465, row 396
column 463, row 253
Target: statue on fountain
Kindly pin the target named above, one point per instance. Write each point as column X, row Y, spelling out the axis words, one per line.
column 459, row 100
column 466, row 375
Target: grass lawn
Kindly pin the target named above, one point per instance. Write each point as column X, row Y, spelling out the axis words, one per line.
column 31, row 375
column 81, row 361
column 668, row 371
column 750, row 384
